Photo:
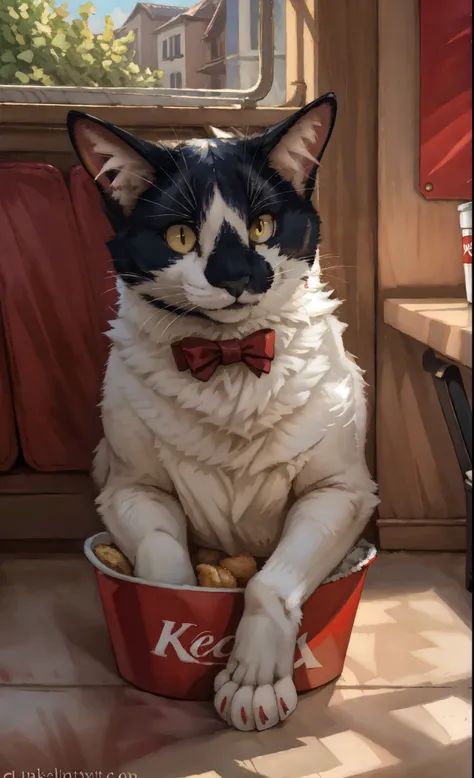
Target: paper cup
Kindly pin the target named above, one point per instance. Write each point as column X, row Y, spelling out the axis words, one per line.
column 173, row 640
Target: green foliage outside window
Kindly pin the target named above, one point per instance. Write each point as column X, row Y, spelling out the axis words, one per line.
column 40, row 47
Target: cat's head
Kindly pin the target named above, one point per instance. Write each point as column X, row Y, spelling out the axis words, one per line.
column 223, row 229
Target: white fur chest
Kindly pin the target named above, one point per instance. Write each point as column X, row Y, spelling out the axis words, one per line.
column 233, row 446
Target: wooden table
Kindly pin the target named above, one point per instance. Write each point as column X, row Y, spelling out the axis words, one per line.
column 443, row 325
column 445, row 328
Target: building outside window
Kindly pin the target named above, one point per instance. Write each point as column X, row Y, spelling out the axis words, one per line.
column 211, row 45
column 254, row 25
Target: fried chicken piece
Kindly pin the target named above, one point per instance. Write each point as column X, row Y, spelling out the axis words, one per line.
column 112, row 557
column 215, row 577
column 243, row 567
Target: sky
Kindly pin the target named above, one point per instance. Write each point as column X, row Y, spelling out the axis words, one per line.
column 117, row 9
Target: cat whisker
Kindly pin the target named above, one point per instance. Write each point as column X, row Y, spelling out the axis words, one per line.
column 186, row 214
column 299, row 259
column 167, row 213
column 334, row 278
column 165, row 298
column 165, row 318
column 166, row 289
column 158, row 189
column 186, row 180
column 338, row 267
column 279, row 193
column 178, row 188
column 245, row 142
column 173, row 321
column 291, row 273
column 256, row 193
column 161, row 285
column 261, row 167
column 181, row 172
column 276, row 198
column 155, row 313
column 267, row 202
column 108, row 291
column 128, row 275
column 283, row 259
column 163, row 295
column 251, row 165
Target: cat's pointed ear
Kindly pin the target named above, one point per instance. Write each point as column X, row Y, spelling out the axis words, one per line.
column 116, row 160
column 296, row 145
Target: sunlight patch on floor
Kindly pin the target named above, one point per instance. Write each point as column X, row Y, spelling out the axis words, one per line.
column 446, row 721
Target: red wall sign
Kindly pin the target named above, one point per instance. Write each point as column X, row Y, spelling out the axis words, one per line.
column 446, row 99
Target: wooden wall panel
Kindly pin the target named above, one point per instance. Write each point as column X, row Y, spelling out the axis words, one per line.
column 347, row 44
column 418, row 256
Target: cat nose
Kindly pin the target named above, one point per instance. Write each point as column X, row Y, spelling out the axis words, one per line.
column 236, row 287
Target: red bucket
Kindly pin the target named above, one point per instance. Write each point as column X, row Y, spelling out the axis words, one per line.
column 173, row 640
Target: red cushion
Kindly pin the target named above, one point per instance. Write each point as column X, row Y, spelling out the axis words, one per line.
column 95, row 231
column 8, row 442
column 51, row 321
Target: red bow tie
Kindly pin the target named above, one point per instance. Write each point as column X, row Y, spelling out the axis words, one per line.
column 203, row 357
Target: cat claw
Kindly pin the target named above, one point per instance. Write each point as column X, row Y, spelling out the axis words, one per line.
column 247, row 707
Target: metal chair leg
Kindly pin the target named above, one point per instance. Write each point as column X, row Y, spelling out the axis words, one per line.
column 457, row 413
column 468, row 485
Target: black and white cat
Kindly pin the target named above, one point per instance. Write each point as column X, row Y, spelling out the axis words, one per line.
column 253, row 439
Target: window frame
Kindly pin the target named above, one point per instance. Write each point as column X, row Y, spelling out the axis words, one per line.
column 162, row 95
column 25, row 126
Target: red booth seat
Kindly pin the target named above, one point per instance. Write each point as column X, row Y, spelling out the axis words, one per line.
column 8, row 441
column 95, row 231
column 54, row 269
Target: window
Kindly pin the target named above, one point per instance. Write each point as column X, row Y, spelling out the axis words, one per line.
column 254, row 24
column 175, row 46
column 75, row 54
column 232, row 28
column 176, row 80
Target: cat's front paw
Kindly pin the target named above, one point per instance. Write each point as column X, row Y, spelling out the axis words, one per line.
column 256, row 690
column 161, row 558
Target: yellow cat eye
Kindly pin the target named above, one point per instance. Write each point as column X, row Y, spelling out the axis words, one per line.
column 180, row 238
column 262, row 229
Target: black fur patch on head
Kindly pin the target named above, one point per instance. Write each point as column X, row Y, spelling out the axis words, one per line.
column 184, row 182
column 246, row 182
column 230, row 261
